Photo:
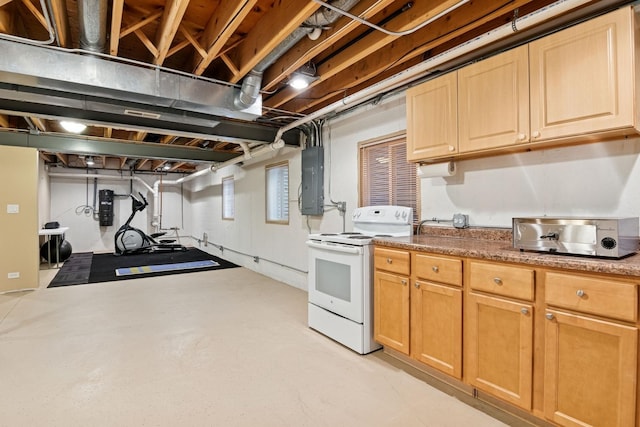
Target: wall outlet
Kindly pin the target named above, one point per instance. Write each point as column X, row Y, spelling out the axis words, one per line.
column 13, row 209
column 460, row 220
column 13, row 275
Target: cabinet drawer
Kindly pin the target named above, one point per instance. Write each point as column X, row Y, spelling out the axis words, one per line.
column 438, row 269
column 609, row 298
column 515, row 282
column 393, row 260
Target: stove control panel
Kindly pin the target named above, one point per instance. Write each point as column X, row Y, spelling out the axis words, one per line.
column 383, row 215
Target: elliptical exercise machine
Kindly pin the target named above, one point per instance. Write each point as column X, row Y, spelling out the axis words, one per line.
column 130, row 240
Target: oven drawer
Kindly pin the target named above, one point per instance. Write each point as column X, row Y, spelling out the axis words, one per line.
column 438, row 269
column 603, row 297
column 505, row 280
column 392, row 260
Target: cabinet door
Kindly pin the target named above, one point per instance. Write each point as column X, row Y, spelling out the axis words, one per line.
column 432, row 118
column 436, row 326
column 391, row 311
column 589, row 371
column 499, row 350
column 493, row 101
column 582, row 78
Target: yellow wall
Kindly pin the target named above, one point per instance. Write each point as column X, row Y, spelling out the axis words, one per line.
column 19, row 251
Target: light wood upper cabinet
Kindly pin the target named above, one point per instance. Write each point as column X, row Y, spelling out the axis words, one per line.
column 493, row 101
column 432, row 118
column 582, row 78
column 589, row 371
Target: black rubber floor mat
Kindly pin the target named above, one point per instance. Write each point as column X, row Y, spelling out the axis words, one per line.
column 102, row 267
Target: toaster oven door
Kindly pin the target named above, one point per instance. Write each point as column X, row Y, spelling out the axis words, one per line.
column 578, row 239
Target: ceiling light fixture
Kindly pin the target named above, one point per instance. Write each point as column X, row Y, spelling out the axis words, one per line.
column 166, row 166
column 89, row 161
column 303, row 77
column 73, row 127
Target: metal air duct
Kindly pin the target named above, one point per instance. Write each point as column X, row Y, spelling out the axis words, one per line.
column 252, row 83
column 92, row 16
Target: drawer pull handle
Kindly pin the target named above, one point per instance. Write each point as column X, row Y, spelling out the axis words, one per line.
column 549, row 316
column 404, row 282
column 497, row 281
column 417, row 285
column 524, row 310
column 389, row 260
column 580, row 293
column 435, row 268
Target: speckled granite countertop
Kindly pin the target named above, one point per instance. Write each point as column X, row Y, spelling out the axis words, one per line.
column 496, row 245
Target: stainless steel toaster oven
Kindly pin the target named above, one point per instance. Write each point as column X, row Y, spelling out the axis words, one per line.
column 601, row 237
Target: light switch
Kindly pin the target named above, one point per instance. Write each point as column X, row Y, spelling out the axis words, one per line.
column 13, row 209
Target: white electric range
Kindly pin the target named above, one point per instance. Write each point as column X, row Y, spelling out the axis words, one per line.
column 341, row 275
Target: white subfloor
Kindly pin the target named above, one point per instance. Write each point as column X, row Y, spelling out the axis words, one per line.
column 219, row 348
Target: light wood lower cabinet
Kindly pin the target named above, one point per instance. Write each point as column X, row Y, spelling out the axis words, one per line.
column 590, row 371
column 499, row 349
column 391, row 310
column 436, row 326
column 486, row 328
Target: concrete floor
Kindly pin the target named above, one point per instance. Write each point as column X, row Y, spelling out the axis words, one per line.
column 218, row 348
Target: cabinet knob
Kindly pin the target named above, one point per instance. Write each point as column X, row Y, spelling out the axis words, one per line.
column 535, row 134
column 524, row 310
column 435, row 268
column 404, row 282
column 580, row 293
column 389, row 260
column 417, row 285
column 522, row 137
column 452, row 148
column 549, row 316
column 497, row 281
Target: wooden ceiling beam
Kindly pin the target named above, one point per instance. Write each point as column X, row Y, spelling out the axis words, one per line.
column 39, row 123
column 46, row 157
column 6, row 23
column 306, row 49
column 141, row 163
column 123, row 161
column 146, row 42
column 64, row 158
column 4, row 121
column 370, row 45
column 117, row 9
column 176, row 166
column 221, row 26
column 196, row 45
column 136, row 26
column 171, row 18
column 5, row 2
column 457, row 24
column 36, row 12
column 273, row 28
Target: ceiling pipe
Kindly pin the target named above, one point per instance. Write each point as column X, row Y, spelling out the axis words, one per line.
column 99, row 176
column 252, row 83
column 93, row 24
column 428, row 66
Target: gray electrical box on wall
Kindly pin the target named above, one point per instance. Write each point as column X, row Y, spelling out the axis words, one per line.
column 312, row 197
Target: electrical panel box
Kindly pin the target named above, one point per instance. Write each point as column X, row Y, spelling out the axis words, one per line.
column 312, row 197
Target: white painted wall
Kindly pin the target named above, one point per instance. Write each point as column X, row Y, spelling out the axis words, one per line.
column 601, row 179
column 69, row 196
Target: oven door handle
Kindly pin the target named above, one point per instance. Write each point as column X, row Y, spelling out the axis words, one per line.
column 335, row 248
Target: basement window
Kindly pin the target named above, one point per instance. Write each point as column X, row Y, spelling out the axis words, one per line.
column 228, row 198
column 386, row 177
column 277, row 193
